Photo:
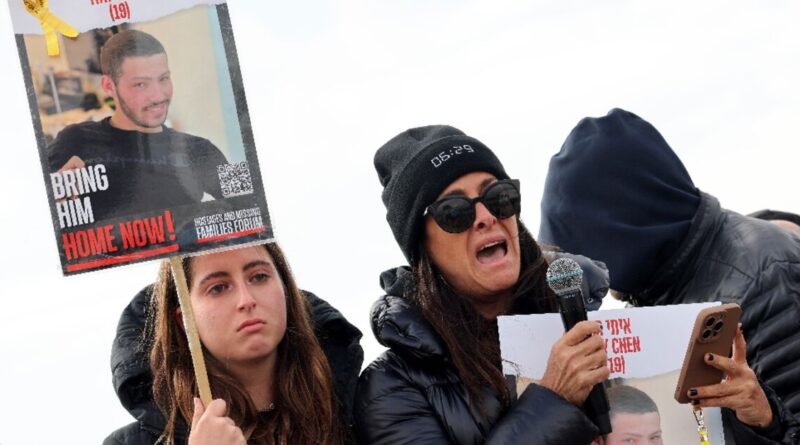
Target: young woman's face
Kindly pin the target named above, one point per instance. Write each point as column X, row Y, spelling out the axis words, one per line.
column 239, row 304
column 483, row 261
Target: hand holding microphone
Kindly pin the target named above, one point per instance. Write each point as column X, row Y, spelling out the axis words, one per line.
column 574, row 364
column 577, row 367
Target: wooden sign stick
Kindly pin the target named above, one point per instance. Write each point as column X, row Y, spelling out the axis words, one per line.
column 195, row 348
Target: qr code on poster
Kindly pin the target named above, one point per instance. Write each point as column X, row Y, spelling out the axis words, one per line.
column 235, row 179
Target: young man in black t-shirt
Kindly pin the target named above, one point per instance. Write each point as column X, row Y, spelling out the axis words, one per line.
column 147, row 166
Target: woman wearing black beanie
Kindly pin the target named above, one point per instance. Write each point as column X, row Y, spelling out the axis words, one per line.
column 455, row 215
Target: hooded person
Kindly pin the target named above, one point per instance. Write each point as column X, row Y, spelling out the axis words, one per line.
column 454, row 212
column 618, row 193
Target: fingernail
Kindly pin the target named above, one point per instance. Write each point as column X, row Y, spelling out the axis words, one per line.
column 741, row 328
column 710, row 357
column 693, row 392
column 695, row 402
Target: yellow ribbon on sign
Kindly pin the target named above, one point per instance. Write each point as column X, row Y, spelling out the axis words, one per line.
column 50, row 24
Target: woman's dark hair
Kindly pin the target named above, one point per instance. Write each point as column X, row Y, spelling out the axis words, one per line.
column 472, row 340
column 305, row 406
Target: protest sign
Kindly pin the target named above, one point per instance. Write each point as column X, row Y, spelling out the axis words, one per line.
column 143, row 134
column 142, row 128
column 645, row 348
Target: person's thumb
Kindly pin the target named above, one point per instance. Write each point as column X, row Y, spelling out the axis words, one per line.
column 198, row 411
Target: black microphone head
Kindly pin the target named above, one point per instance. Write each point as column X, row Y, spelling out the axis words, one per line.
column 564, row 275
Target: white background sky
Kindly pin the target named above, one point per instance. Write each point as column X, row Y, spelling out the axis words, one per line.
column 328, row 82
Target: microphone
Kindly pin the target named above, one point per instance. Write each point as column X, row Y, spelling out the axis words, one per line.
column 564, row 276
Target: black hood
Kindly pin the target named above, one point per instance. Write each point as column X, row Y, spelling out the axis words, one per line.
column 133, row 381
column 130, row 367
column 399, row 325
column 616, row 192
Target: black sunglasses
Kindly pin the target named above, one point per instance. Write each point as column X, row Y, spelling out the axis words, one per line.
column 455, row 214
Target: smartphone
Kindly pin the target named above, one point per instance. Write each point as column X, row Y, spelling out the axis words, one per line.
column 713, row 332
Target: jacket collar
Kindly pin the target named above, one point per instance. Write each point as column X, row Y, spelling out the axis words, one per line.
column 398, row 325
column 681, row 265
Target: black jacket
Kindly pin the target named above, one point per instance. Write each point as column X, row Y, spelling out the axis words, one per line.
column 412, row 393
column 735, row 259
column 133, row 381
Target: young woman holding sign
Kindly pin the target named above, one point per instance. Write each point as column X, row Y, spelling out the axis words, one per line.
column 454, row 212
column 267, row 347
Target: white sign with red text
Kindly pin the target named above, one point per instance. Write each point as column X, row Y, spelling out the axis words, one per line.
column 640, row 342
column 645, row 348
column 85, row 15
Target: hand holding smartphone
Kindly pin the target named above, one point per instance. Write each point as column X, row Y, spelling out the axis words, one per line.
column 713, row 333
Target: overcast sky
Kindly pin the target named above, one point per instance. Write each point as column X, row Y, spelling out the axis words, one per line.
column 328, row 82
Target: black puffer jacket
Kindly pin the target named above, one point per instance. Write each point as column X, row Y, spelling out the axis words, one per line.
column 711, row 265
column 133, row 381
column 412, row 393
column 735, row 259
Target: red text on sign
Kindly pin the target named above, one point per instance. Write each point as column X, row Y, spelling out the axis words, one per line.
column 119, row 11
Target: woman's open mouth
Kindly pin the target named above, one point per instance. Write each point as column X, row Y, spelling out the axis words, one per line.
column 492, row 252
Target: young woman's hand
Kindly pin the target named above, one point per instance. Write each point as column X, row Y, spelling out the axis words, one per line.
column 211, row 426
column 577, row 362
column 739, row 390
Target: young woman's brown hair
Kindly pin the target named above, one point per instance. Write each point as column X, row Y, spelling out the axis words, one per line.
column 304, row 408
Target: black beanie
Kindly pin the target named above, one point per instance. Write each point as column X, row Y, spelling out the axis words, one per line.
column 416, row 165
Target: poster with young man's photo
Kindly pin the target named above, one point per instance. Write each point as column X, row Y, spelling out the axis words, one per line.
column 645, row 349
column 142, row 129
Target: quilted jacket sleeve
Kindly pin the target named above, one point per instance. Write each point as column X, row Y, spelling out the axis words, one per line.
column 392, row 410
column 389, row 411
column 770, row 315
column 785, row 428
